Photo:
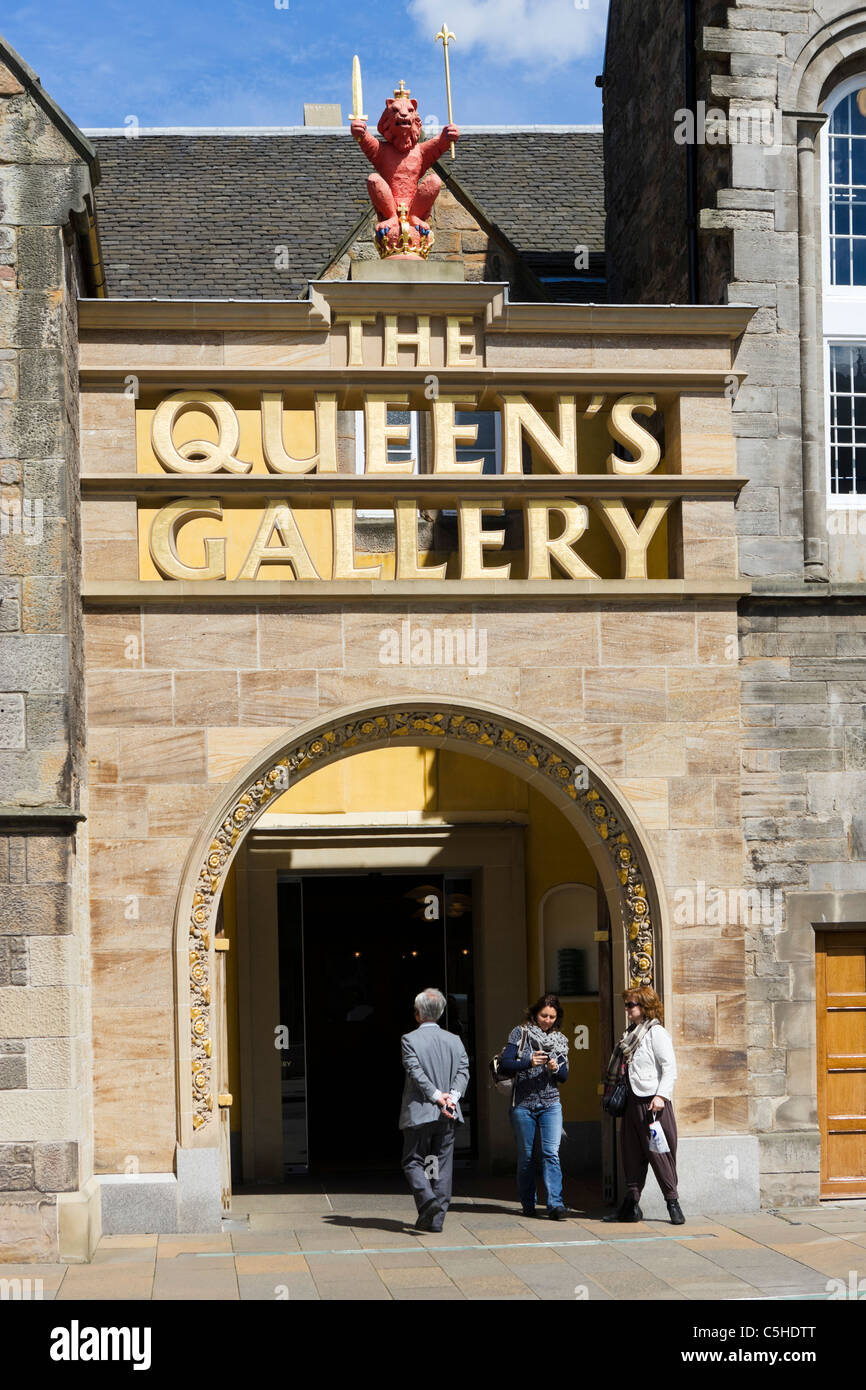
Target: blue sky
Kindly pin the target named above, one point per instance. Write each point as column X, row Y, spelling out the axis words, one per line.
column 255, row 62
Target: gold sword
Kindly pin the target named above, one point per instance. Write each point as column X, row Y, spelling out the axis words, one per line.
column 357, row 93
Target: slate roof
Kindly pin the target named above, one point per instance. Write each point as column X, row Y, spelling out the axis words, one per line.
column 188, row 216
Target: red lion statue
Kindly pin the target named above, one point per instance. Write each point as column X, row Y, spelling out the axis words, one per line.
column 400, row 163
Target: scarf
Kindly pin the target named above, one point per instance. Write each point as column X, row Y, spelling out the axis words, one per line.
column 626, row 1048
column 550, row 1042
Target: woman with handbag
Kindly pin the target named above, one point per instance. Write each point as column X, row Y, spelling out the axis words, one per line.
column 536, row 1056
column 640, row 1079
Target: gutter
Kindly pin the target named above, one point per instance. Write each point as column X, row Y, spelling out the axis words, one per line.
column 690, row 81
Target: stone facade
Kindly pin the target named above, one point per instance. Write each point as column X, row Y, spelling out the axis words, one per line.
column 45, row 1127
column 801, row 641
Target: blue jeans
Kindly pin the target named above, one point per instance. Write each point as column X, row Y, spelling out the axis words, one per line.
column 548, row 1125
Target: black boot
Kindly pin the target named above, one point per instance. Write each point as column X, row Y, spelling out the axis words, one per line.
column 676, row 1215
column 629, row 1211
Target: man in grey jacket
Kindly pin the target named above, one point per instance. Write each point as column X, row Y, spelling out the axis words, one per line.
column 437, row 1074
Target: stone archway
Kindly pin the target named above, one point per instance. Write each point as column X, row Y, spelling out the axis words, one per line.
column 826, row 52
column 538, row 755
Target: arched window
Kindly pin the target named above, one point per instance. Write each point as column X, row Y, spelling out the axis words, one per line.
column 844, row 296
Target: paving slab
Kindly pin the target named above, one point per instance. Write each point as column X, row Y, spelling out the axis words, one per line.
column 345, row 1292
column 277, row 1241
column 128, row 1255
column 437, row 1295
column 171, row 1246
column 209, row 1284
column 525, row 1255
column 270, row 1264
column 128, row 1242
column 483, row 1287
column 106, row 1281
column 267, row 1288
column 278, row 1202
column 361, row 1244
column 413, row 1258
column 560, row 1284
column 415, row 1276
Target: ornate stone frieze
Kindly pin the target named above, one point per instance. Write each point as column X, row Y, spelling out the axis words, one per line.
column 574, row 784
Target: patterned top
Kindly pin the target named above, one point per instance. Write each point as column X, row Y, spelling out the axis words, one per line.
column 535, row 1088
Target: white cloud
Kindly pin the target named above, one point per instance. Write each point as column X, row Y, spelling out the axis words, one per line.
column 536, row 33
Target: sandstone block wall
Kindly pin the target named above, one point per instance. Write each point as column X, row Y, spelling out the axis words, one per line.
column 174, row 713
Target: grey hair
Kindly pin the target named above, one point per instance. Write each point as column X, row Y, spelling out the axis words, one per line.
column 430, row 1005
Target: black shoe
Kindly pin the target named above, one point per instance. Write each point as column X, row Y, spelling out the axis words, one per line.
column 528, row 1211
column 629, row 1211
column 559, row 1213
column 676, row 1214
column 426, row 1216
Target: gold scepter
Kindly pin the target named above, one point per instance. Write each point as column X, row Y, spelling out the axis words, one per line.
column 447, row 37
column 357, row 94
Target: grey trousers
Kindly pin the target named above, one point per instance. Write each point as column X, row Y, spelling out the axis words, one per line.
column 428, row 1162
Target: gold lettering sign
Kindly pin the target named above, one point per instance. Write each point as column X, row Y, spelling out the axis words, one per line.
column 280, row 544
column 550, row 476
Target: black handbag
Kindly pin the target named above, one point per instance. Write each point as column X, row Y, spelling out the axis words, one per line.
column 616, row 1096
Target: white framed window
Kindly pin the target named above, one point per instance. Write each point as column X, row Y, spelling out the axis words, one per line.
column 843, row 248
column 846, row 419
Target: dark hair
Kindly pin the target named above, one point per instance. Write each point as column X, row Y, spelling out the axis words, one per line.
column 545, row 1001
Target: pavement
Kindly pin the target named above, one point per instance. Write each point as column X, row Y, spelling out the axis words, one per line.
column 353, row 1238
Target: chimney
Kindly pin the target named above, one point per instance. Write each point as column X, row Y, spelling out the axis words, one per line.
column 321, row 113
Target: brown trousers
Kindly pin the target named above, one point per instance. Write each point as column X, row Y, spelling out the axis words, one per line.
column 636, row 1156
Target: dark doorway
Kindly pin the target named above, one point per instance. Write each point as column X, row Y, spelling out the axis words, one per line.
column 354, row 951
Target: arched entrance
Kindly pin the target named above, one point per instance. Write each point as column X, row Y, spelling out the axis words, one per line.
column 553, row 766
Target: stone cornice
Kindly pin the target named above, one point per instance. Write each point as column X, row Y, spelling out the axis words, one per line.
column 329, row 298
column 512, row 379
column 131, row 593
column 435, row 487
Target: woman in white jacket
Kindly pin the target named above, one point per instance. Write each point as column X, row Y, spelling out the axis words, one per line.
column 647, row 1053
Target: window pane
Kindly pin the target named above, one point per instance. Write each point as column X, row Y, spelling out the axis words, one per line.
column 858, row 269
column 840, row 369
column 840, row 215
column 858, row 212
column 485, row 447
column 840, row 163
column 841, row 262
column 858, row 161
column 858, row 111
column 842, row 410
column 841, row 119
column 859, row 411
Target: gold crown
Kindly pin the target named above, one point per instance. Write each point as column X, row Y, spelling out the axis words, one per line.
column 402, row 90
column 405, row 245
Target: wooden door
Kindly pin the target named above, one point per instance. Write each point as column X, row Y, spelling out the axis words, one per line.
column 840, row 959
